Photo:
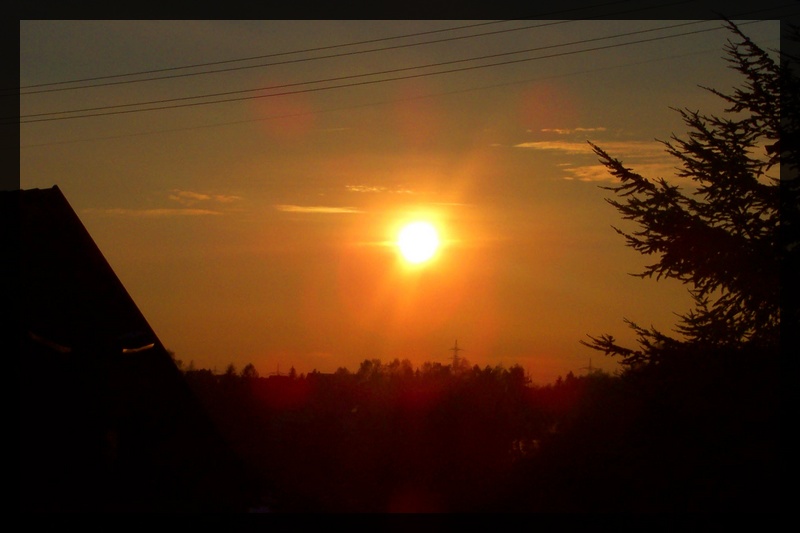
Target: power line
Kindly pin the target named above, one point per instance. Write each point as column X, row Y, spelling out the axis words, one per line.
column 307, row 50
column 232, row 69
column 307, row 59
column 32, row 117
column 353, row 76
column 261, row 65
column 371, row 104
column 55, row 85
column 237, row 60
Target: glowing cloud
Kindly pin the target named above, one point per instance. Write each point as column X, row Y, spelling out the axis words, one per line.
column 152, row 213
column 648, row 158
column 187, row 199
column 375, row 189
column 317, row 209
column 568, row 131
column 559, row 146
column 191, row 197
column 629, row 149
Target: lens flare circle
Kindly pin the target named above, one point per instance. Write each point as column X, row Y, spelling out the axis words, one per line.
column 418, row 242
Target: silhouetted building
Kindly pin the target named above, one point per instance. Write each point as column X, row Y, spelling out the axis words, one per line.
column 107, row 421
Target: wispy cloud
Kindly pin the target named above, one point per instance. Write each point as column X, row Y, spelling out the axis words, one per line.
column 377, row 189
column 192, row 204
column 624, row 149
column 648, row 158
column 587, row 173
column 191, row 197
column 599, row 172
column 152, row 213
column 570, row 131
column 567, row 147
column 318, row 209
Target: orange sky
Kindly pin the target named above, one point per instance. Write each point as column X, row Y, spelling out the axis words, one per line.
column 259, row 230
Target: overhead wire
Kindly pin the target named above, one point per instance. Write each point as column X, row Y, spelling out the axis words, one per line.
column 119, row 108
column 354, row 76
column 52, row 116
column 370, row 104
column 317, row 49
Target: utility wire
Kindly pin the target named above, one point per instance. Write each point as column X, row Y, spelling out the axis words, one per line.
column 371, row 104
column 41, row 88
column 289, row 61
column 237, row 60
column 330, row 56
column 317, row 49
column 20, row 93
column 32, row 119
column 354, row 76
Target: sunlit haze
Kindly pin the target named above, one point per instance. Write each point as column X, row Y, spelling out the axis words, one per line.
column 255, row 184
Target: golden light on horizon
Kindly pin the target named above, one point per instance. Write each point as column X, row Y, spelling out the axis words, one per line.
column 418, row 242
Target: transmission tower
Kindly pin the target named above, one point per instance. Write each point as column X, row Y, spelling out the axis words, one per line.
column 590, row 369
column 455, row 349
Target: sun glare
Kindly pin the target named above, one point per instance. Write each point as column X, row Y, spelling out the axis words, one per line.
column 418, row 242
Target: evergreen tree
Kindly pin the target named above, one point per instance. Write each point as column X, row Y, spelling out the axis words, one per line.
column 250, row 372
column 729, row 236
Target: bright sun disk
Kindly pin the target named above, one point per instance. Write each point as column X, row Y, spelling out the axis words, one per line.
column 418, row 242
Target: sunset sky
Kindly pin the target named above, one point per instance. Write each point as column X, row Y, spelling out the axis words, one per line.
column 253, row 216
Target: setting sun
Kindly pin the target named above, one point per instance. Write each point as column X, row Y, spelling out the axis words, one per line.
column 280, row 257
column 418, row 242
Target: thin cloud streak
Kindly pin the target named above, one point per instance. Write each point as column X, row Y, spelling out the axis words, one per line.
column 566, row 147
column 600, row 173
column 630, row 149
column 376, row 189
column 649, row 158
column 191, row 197
column 316, row 209
column 151, row 213
column 568, row 131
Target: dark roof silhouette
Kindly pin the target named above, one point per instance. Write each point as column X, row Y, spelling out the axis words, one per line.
column 108, row 422
column 72, row 297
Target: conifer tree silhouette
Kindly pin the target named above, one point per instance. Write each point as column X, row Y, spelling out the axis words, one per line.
column 728, row 237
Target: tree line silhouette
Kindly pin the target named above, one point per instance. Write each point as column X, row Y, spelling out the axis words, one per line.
column 390, row 438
